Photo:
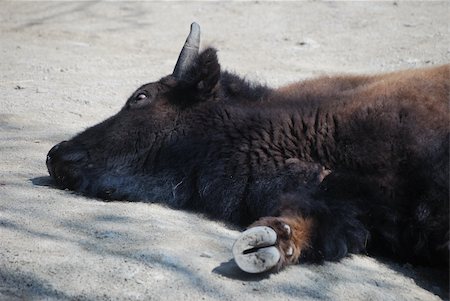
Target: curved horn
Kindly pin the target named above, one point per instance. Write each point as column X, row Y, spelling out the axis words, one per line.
column 189, row 51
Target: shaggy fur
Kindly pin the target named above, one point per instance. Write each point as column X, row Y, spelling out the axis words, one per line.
column 353, row 164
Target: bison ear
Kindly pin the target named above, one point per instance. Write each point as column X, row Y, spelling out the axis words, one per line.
column 202, row 78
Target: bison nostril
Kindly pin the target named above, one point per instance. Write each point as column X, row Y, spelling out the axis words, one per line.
column 65, row 157
column 54, row 149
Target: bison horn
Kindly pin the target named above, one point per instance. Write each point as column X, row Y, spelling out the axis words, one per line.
column 189, row 51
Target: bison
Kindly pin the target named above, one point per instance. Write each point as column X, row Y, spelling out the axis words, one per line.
column 315, row 170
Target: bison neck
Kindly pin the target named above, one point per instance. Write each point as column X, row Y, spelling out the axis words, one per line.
column 270, row 136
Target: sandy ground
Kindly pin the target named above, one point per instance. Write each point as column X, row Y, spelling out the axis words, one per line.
column 67, row 65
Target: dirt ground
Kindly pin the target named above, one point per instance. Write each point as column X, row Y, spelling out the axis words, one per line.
column 67, row 65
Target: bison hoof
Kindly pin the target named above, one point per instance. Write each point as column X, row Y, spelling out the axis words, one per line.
column 254, row 251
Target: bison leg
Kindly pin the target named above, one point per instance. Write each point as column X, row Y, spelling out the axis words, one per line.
column 272, row 243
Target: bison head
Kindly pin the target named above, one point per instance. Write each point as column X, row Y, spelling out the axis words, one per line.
column 136, row 153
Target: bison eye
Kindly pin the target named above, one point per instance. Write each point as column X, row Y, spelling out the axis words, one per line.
column 141, row 96
column 140, row 99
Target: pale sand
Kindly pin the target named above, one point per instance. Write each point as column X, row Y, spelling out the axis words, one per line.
column 67, row 65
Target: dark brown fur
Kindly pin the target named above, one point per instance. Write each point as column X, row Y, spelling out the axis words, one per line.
column 352, row 163
column 406, row 100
